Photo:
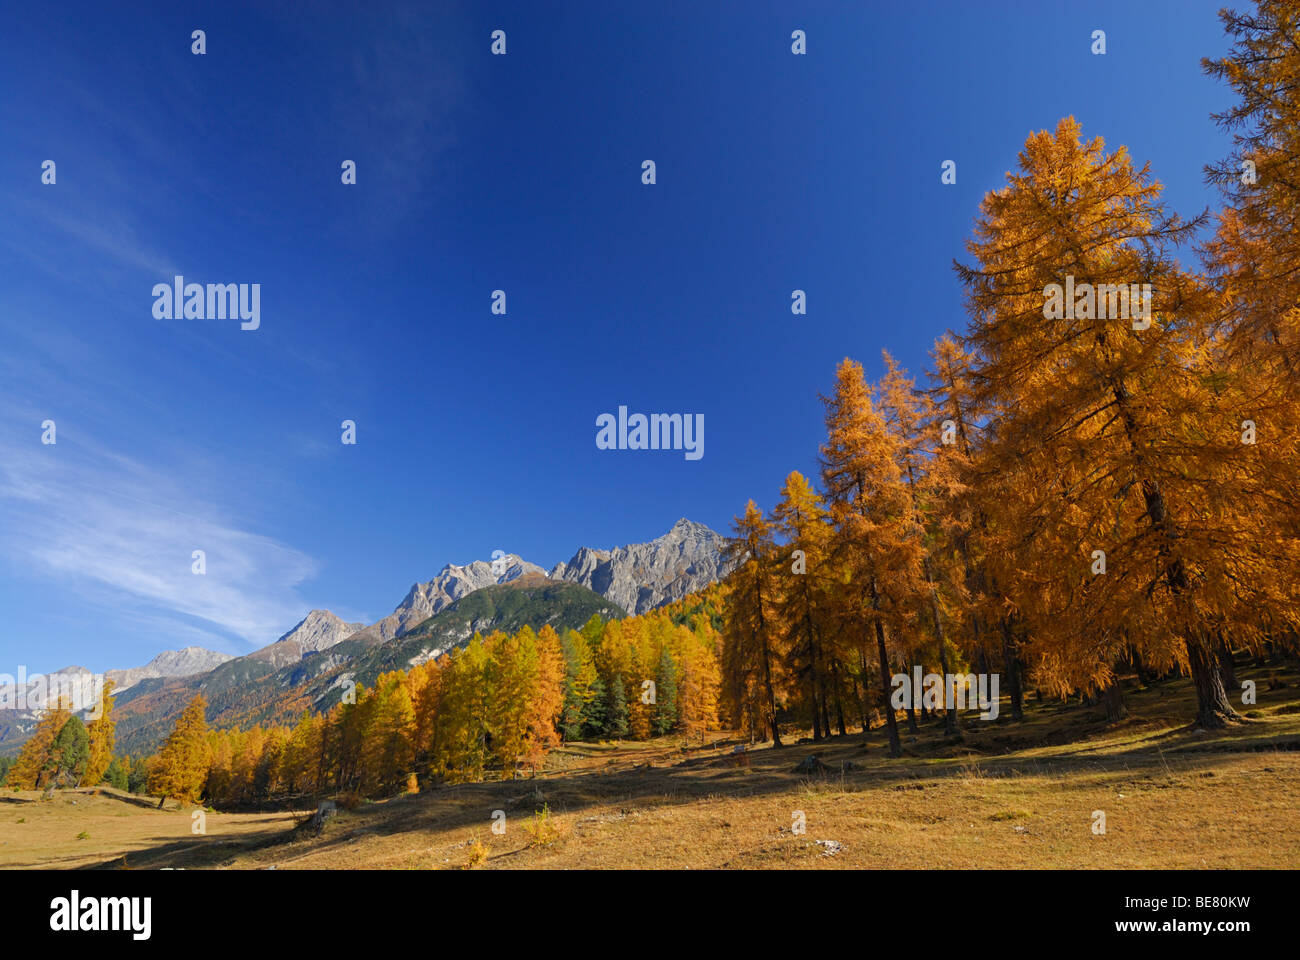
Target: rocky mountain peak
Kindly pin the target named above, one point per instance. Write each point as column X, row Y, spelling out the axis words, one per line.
column 641, row 576
column 319, row 630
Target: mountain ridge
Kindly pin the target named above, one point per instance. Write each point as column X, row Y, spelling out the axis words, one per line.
column 685, row 559
column 631, row 579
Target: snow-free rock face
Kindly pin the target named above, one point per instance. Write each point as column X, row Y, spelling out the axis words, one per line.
column 169, row 663
column 317, row 631
column 423, row 600
column 642, row 576
column 320, row 630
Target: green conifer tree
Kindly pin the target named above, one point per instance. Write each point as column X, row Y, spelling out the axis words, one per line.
column 665, row 714
column 71, row 751
column 616, row 716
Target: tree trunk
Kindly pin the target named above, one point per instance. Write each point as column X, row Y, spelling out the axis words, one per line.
column 816, row 709
column 950, row 709
column 861, row 690
column 1143, row 677
column 912, row 728
column 1011, row 663
column 826, row 708
column 949, row 703
column 1227, row 666
column 839, row 701
column 767, row 672
column 814, row 679
column 1113, row 697
column 895, row 747
column 891, row 721
column 1214, row 710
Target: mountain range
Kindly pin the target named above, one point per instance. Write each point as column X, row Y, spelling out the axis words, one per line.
column 316, row 657
column 169, row 663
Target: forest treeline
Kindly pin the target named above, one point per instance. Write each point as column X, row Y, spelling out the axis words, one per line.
column 490, row 708
column 1069, row 493
column 65, row 751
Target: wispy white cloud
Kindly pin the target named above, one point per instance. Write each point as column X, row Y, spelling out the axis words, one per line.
column 87, row 249
column 116, row 240
column 122, row 534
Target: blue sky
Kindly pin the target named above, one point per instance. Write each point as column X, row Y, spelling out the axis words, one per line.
column 476, row 172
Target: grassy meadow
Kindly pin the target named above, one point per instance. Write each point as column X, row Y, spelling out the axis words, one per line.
column 1004, row 794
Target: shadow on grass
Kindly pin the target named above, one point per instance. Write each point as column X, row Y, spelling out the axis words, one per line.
column 1054, row 739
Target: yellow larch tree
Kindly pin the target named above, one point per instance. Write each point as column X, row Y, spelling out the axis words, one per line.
column 102, row 738
column 180, row 769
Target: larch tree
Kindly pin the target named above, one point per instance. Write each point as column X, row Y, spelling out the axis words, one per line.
column 302, row 756
column 910, row 416
column 1254, row 262
column 1089, row 340
column 546, row 704
column 799, row 518
column 466, row 714
column 181, row 766
column 268, row 780
column 523, row 702
column 640, row 666
column 35, row 762
column 102, row 738
column 388, row 752
column 876, row 538
column 698, row 692
column 752, row 668
column 1260, row 178
column 961, row 544
column 427, row 684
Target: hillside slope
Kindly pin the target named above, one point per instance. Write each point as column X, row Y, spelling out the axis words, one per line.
column 253, row 690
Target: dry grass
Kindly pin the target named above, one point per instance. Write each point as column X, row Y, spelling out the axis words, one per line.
column 1005, row 795
column 82, row 828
